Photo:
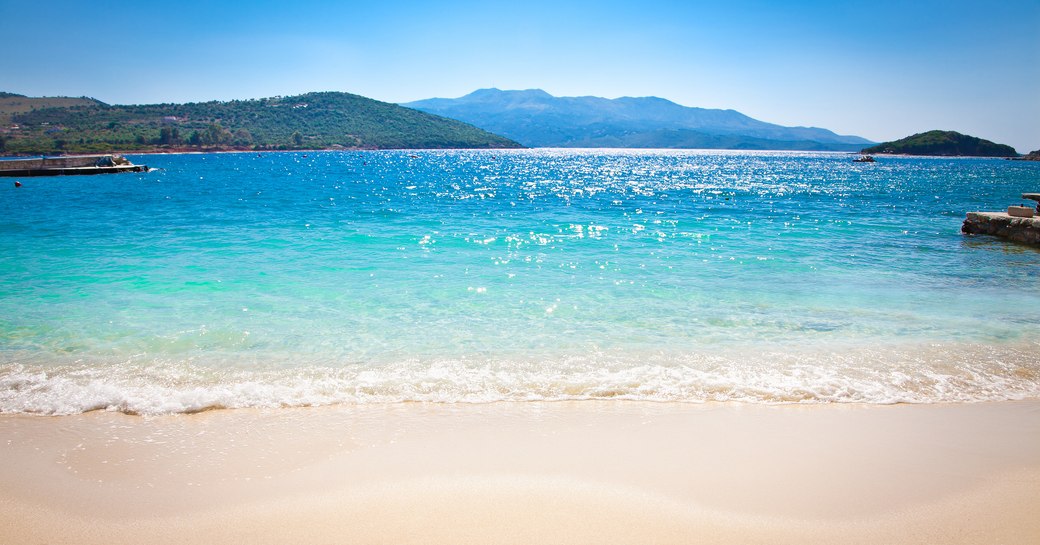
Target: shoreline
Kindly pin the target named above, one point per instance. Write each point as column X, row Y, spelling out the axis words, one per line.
column 197, row 151
column 522, row 472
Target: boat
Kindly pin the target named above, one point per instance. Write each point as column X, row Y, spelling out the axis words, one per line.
column 68, row 165
column 865, row 159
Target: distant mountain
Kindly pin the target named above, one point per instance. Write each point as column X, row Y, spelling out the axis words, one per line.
column 943, row 143
column 309, row 121
column 536, row 118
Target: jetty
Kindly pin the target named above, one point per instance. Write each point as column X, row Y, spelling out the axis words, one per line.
column 1019, row 223
column 70, row 165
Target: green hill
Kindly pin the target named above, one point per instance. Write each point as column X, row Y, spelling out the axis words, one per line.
column 311, row 121
column 12, row 104
column 944, row 144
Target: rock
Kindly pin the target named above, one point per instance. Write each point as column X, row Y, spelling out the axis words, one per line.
column 1025, row 230
column 1031, row 156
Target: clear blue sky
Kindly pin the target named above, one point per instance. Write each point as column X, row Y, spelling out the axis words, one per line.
column 879, row 69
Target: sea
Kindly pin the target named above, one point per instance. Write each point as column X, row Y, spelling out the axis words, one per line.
column 297, row 279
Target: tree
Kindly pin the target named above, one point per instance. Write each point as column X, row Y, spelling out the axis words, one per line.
column 216, row 135
column 243, row 138
column 165, row 136
column 297, row 138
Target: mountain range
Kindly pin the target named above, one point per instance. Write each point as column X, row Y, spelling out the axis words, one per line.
column 535, row 118
column 487, row 118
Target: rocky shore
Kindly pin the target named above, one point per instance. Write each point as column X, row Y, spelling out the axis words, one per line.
column 1031, row 156
column 1024, row 230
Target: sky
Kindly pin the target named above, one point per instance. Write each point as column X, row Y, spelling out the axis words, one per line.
column 881, row 69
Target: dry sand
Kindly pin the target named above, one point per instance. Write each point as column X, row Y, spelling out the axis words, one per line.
column 576, row 472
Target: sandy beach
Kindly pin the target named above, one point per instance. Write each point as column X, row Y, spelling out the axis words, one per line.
column 568, row 472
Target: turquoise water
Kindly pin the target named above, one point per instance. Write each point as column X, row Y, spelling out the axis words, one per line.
column 288, row 279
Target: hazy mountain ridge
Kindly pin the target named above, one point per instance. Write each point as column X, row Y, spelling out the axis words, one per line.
column 536, row 118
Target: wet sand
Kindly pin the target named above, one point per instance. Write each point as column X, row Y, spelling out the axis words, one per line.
column 571, row 472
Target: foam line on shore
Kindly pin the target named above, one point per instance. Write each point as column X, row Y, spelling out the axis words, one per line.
column 914, row 373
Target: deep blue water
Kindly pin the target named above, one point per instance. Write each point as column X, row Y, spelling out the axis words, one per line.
column 288, row 279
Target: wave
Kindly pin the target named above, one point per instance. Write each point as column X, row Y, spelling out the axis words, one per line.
column 917, row 374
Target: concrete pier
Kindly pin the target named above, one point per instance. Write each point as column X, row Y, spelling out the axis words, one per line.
column 1025, row 230
column 68, row 165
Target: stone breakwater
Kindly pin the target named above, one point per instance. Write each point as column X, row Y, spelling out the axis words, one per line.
column 1025, row 230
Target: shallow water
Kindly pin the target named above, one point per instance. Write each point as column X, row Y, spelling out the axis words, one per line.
column 288, row 279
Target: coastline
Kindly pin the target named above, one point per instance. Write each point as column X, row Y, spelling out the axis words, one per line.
column 522, row 472
column 196, row 151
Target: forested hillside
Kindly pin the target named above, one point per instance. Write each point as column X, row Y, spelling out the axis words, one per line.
column 310, row 121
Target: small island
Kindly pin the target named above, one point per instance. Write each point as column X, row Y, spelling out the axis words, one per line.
column 942, row 144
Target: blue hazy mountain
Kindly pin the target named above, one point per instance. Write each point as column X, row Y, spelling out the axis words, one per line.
column 537, row 119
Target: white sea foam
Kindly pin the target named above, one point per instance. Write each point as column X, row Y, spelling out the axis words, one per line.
column 919, row 374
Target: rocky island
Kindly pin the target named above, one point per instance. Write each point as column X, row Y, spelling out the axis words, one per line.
column 1031, row 156
column 942, row 144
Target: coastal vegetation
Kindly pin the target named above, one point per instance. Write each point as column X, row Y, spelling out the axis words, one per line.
column 943, row 144
column 327, row 120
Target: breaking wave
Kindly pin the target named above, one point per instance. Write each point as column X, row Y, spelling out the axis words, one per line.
column 918, row 374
